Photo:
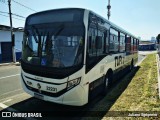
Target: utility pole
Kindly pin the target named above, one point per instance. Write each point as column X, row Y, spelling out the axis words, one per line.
column 109, row 7
column 12, row 35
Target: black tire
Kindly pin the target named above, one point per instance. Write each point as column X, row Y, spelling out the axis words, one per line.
column 131, row 66
column 107, row 83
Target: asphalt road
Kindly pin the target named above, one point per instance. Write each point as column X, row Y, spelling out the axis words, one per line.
column 9, row 81
column 13, row 98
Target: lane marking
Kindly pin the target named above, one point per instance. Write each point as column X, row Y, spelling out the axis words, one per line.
column 13, row 96
column 10, row 92
column 10, row 109
column 7, row 101
column 3, row 106
column 9, row 76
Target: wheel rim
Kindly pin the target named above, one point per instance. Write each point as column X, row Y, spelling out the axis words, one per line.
column 107, row 82
column 131, row 66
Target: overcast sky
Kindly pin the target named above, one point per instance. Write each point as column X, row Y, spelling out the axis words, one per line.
column 139, row 17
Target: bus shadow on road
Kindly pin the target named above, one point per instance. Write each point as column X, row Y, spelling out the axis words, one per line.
column 97, row 108
column 103, row 104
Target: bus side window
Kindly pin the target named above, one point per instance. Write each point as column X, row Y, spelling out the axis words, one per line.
column 90, row 42
column 106, row 39
column 137, row 45
column 128, row 44
column 95, row 50
column 132, row 45
column 95, row 42
column 113, row 42
column 135, row 49
column 122, row 42
column 100, row 43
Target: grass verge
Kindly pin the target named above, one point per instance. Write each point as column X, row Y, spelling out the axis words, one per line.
column 141, row 94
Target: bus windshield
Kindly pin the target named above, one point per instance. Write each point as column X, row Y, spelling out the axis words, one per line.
column 56, row 45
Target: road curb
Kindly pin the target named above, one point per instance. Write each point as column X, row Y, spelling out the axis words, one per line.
column 8, row 64
column 158, row 75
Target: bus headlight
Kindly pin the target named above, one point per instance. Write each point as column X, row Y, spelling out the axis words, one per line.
column 73, row 83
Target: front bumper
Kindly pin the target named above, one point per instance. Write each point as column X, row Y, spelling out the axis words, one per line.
column 74, row 97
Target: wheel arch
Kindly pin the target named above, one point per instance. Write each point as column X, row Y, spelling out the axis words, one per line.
column 109, row 72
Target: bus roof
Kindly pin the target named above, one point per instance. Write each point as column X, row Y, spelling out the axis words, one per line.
column 107, row 21
column 41, row 12
column 113, row 25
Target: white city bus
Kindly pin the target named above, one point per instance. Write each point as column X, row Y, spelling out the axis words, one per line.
column 71, row 55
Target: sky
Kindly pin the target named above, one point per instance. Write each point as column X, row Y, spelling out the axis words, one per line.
column 139, row 17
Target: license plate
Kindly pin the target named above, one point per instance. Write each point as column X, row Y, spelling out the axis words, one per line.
column 38, row 96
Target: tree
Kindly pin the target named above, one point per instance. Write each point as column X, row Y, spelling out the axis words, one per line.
column 158, row 38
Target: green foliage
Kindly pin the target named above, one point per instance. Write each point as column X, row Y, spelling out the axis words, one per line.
column 141, row 94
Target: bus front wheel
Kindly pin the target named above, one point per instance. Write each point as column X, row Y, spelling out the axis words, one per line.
column 107, row 83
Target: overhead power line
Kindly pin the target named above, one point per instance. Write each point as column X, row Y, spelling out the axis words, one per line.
column 18, row 15
column 18, row 19
column 12, row 17
column 4, row 15
column 13, row 14
column 24, row 6
column 3, row 12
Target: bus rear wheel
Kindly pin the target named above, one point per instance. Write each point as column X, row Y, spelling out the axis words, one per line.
column 131, row 66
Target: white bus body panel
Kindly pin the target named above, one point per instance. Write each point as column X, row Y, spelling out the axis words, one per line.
column 77, row 96
column 102, row 67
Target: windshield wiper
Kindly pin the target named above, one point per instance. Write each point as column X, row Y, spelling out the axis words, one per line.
column 60, row 28
column 34, row 33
